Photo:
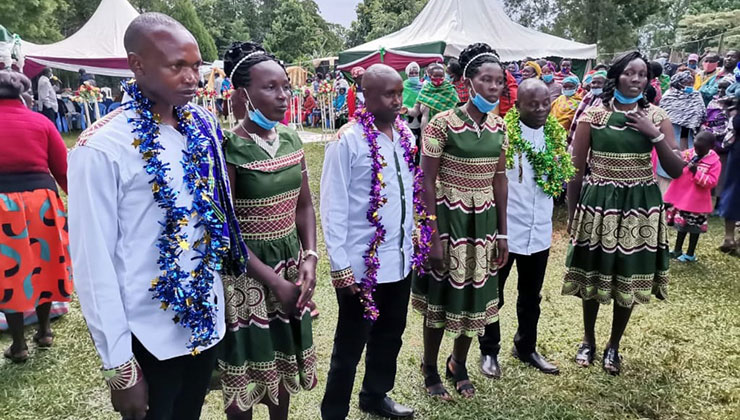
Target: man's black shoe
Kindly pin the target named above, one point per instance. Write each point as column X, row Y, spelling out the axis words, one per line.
column 389, row 409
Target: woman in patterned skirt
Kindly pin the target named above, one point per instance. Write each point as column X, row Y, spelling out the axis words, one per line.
column 619, row 241
column 269, row 352
column 34, row 246
column 465, row 185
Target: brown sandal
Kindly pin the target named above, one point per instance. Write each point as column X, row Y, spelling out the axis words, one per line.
column 728, row 247
column 44, row 341
column 17, row 357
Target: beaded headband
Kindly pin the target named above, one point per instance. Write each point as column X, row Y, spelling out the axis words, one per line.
column 231, row 76
column 465, row 69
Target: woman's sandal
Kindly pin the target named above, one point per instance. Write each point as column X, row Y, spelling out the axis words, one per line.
column 612, row 362
column 44, row 341
column 16, row 357
column 585, row 355
column 433, row 383
column 460, row 376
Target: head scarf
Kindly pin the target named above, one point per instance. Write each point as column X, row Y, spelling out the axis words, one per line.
column 550, row 65
column 357, row 72
column 535, row 66
column 411, row 88
column 572, row 79
column 517, row 73
column 412, row 65
column 684, row 109
column 680, row 79
column 600, row 73
column 438, row 98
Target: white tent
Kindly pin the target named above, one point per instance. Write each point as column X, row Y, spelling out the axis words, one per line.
column 97, row 46
column 459, row 23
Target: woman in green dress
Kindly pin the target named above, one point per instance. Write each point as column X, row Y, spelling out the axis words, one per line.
column 269, row 352
column 619, row 242
column 464, row 167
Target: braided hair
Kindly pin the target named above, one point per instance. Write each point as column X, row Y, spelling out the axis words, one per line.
column 236, row 53
column 471, row 68
column 616, row 69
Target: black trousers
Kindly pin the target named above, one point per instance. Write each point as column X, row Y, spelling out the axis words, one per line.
column 383, row 339
column 178, row 386
column 50, row 114
column 531, row 270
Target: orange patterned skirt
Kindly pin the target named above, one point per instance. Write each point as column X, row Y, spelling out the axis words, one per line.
column 35, row 266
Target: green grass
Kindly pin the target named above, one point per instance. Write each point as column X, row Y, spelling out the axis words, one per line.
column 681, row 356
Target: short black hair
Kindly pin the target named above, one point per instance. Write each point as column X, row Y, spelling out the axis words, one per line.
column 237, row 52
column 656, row 68
column 46, row 71
column 142, row 24
column 616, row 69
column 601, row 66
column 470, row 69
column 453, row 66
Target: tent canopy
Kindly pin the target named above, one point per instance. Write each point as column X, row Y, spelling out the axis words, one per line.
column 97, row 46
column 448, row 26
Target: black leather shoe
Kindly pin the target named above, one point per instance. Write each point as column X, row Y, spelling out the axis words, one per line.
column 536, row 360
column 389, row 409
column 612, row 362
column 489, row 366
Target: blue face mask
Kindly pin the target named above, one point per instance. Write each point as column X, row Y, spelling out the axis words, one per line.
column 688, row 89
column 548, row 78
column 625, row 100
column 414, row 80
column 692, row 66
column 569, row 92
column 483, row 104
column 258, row 117
column 597, row 91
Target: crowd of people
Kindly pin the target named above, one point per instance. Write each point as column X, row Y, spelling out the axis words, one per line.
column 194, row 249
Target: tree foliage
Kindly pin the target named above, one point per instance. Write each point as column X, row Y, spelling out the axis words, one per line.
column 377, row 18
column 705, row 29
column 299, row 32
column 33, row 20
column 184, row 12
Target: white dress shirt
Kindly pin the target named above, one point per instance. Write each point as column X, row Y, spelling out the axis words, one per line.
column 345, row 199
column 529, row 210
column 47, row 96
column 113, row 230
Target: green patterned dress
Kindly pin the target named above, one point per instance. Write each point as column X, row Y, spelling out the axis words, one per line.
column 619, row 241
column 264, row 347
column 463, row 297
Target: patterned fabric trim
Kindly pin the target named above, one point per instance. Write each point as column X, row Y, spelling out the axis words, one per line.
column 468, row 261
column 626, row 291
column 493, row 123
column 97, row 125
column 621, row 169
column 465, row 201
column 467, row 173
column 267, row 219
column 434, row 137
column 598, row 116
column 248, row 302
column 342, row 278
column 615, row 230
column 245, row 386
column 455, row 325
column 274, row 165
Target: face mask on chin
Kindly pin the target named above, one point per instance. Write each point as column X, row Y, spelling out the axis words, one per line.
column 257, row 116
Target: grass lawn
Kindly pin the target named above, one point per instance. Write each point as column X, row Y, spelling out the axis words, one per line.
column 681, row 357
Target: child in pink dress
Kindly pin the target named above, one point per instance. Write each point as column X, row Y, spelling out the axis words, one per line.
column 691, row 194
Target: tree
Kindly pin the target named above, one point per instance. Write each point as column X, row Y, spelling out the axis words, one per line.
column 33, row 20
column 184, row 12
column 703, row 31
column 298, row 32
column 228, row 20
column 377, row 18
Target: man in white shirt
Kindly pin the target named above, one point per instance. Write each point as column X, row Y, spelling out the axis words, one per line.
column 47, row 97
column 529, row 219
column 345, row 200
column 156, row 364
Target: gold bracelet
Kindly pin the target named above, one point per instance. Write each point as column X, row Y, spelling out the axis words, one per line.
column 124, row 376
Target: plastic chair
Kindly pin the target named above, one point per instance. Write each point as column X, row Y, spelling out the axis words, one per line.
column 113, row 106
